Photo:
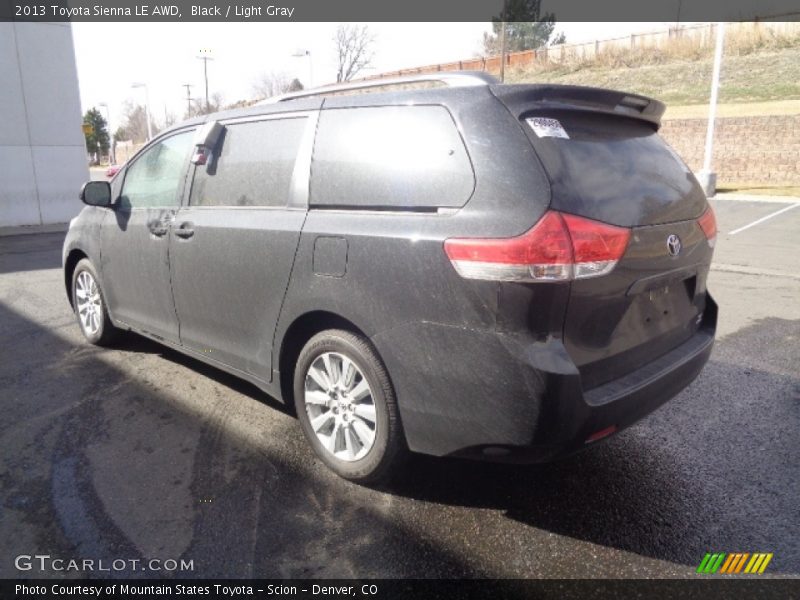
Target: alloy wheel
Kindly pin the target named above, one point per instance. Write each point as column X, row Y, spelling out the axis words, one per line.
column 340, row 406
column 89, row 303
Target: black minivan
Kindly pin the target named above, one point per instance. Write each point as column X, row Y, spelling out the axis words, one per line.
column 445, row 265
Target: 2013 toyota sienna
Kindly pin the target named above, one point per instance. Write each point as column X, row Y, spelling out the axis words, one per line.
column 464, row 268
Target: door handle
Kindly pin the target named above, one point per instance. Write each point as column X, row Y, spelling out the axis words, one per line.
column 185, row 230
column 160, row 227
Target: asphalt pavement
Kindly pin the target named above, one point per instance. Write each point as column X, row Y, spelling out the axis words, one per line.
column 137, row 452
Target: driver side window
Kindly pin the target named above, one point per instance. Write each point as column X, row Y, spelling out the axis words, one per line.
column 154, row 179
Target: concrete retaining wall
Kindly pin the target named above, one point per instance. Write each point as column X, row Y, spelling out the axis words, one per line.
column 746, row 149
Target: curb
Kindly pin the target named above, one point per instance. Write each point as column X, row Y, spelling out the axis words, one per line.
column 33, row 229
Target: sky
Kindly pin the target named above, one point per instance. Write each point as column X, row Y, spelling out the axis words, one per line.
column 112, row 56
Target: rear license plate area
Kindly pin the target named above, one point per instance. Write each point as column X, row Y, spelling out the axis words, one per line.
column 669, row 304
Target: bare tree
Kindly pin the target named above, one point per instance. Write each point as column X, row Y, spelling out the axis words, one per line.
column 353, row 50
column 134, row 123
column 199, row 107
column 270, row 83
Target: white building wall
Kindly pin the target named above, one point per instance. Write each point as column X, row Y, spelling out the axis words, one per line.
column 43, row 159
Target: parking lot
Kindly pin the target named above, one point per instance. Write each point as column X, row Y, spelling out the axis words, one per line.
column 140, row 452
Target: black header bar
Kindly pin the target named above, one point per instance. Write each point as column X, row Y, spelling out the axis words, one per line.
column 377, row 11
column 700, row 588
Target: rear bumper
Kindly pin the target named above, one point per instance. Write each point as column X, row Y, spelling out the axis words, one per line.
column 482, row 394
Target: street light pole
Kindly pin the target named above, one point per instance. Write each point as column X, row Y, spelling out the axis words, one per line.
column 708, row 179
column 146, row 108
column 300, row 53
column 108, row 114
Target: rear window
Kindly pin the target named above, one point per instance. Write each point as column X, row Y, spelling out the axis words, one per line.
column 610, row 167
column 253, row 166
column 395, row 157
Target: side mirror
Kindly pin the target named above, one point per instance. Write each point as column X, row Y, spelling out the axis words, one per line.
column 96, row 193
column 205, row 140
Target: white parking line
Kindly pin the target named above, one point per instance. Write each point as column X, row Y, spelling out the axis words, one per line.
column 760, row 271
column 729, row 197
column 762, row 219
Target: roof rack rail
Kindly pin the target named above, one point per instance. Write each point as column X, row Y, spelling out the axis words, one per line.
column 449, row 78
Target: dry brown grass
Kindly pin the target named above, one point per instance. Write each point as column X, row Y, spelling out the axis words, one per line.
column 679, row 49
column 739, row 41
column 758, row 66
column 747, row 40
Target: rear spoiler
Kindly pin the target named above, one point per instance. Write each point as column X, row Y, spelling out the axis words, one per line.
column 523, row 98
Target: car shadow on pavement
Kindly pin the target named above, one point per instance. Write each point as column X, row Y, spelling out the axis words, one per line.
column 131, row 342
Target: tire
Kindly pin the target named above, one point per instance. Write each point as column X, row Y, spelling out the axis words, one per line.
column 97, row 327
column 336, row 413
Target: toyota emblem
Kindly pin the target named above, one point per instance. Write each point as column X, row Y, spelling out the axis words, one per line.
column 673, row 244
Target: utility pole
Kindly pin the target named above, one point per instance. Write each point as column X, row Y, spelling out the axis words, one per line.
column 205, row 56
column 708, row 179
column 188, row 87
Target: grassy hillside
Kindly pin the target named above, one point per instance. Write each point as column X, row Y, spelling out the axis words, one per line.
column 759, row 75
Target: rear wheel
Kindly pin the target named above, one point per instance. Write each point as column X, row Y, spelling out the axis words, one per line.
column 346, row 406
column 90, row 307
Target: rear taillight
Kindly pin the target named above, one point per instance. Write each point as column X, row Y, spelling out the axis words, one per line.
column 559, row 247
column 597, row 247
column 708, row 223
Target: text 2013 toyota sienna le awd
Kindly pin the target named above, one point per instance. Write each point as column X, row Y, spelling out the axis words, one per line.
column 499, row 271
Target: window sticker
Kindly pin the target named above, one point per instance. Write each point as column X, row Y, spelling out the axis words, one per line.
column 547, row 127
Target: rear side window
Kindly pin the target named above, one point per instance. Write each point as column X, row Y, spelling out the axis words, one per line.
column 252, row 165
column 396, row 157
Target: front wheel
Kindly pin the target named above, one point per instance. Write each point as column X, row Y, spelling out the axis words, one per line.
column 346, row 406
column 90, row 307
